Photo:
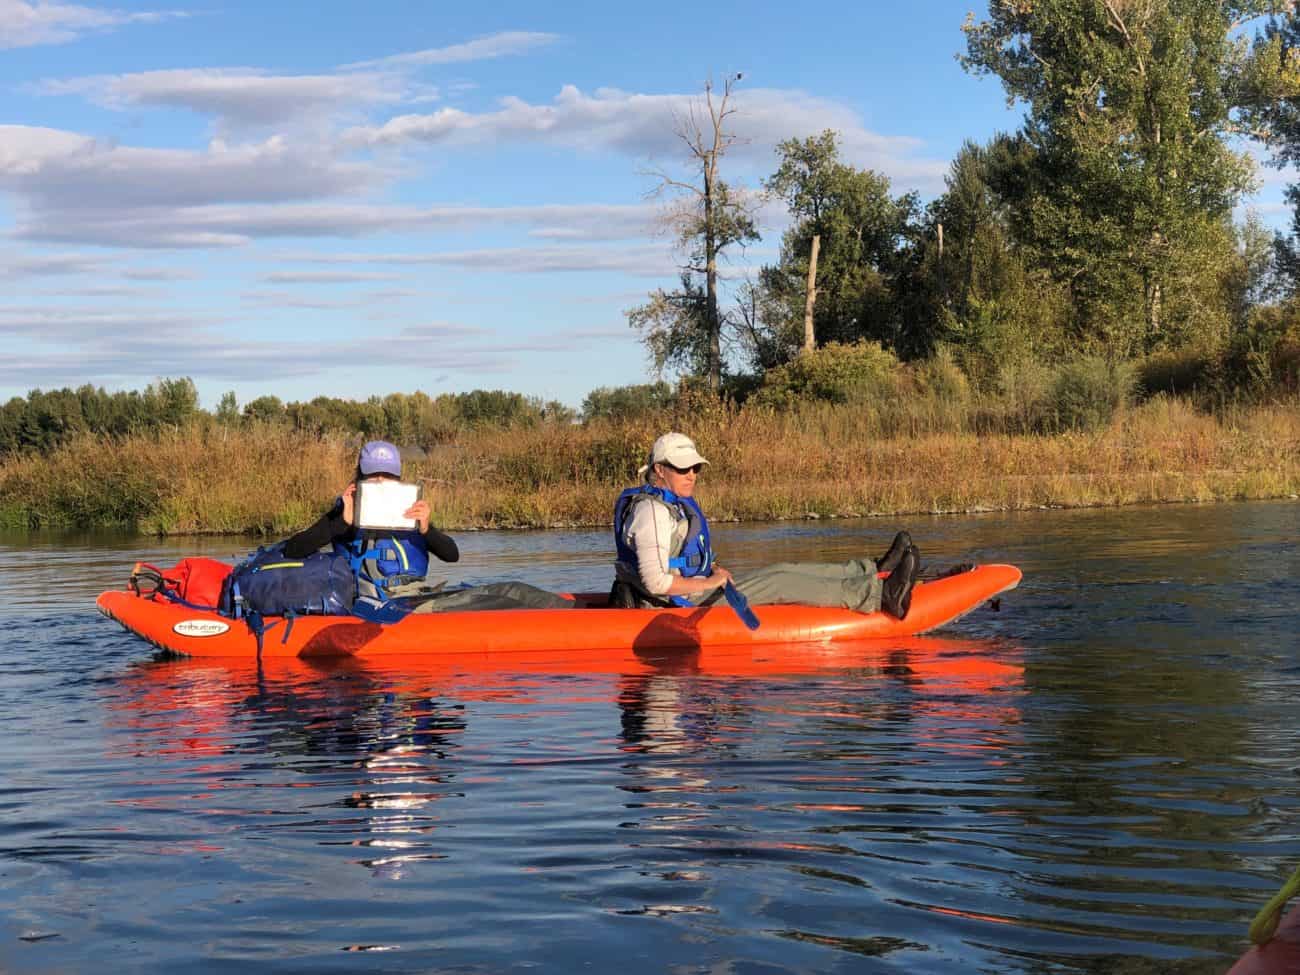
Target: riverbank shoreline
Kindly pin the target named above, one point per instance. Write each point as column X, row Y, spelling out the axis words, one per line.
column 270, row 482
column 793, row 519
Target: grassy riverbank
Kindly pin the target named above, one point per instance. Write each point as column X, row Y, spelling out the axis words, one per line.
column 816, row 461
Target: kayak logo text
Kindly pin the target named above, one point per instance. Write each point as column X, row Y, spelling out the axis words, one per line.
column 201, row 627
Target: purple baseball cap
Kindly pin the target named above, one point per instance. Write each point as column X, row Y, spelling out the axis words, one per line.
column 380, row 457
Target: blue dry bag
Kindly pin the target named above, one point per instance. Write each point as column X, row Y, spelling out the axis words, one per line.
column 269, row 584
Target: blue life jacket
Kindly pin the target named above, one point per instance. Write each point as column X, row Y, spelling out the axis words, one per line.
column 694, row 555
column 268, row 584
column 388, row 559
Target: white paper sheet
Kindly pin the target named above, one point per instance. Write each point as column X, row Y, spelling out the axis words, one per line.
column 380, row 504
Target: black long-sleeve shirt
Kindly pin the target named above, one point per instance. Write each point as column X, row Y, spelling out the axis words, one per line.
column 332, row 528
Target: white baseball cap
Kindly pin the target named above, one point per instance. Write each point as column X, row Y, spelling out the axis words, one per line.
column 676, row 449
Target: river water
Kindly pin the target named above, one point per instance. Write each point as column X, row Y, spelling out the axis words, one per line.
column 1102, row 777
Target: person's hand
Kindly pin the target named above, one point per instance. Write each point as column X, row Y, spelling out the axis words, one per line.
column 720, row 576
column 349, row 497
column 420, row 512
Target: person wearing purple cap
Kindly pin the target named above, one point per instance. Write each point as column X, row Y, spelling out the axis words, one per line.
column 379, row 457
column 399, row 557
column 393, row 564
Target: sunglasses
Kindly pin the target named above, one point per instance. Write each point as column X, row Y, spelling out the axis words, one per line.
column 693, row 469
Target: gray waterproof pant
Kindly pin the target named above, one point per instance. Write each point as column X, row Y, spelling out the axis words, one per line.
column 496, row 595
column 846, row 585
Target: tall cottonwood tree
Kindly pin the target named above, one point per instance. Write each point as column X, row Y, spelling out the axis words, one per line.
column 1130, row 105
column 968, row 286
column 862, row 231
column 683, row 328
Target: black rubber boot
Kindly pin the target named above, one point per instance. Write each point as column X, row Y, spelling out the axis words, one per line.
column 896, row 594
column 889, row 561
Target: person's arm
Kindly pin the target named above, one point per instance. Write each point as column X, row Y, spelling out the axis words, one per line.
column 325, row 530
column 443, row 546
column 682, row 586
column 651, row 531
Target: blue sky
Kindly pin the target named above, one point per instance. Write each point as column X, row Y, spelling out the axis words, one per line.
column 355, row 199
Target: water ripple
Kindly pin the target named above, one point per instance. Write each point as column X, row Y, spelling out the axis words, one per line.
column 1101, row 778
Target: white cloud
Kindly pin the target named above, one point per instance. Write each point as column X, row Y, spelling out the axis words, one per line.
column 284, row 298
column 388, row 294
column 100, row 291
column 24, row 24
column 14, row 265
column 70, row 187
column 651, row 260
column 219, row 362
column 647, row 259
column 54, row 170
column 223, row 225
column 481, row 49
column 26, row 149
column 641, row 126
column 64, row 345
column 126, row 345
column 63, row 325
column 327, row 277
column 158, row 274
column 238, row 96
column 271, row 298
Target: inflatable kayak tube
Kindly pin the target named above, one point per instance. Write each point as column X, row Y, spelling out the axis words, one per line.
column 589, row 627
column 1280, row 955
column 937, row 665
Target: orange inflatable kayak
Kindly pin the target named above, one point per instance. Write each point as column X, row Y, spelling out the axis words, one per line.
column 589, row 628
column 1279, row 955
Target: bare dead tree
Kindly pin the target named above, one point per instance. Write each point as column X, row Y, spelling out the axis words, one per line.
column 713, row 216
column 810, row 296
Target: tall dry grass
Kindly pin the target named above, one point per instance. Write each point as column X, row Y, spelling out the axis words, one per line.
column 204, row 478
column 814, row 461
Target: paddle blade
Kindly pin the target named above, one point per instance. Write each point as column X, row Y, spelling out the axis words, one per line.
column 375, row 612
column 741, row 605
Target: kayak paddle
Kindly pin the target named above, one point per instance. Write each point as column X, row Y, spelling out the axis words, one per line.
column 737, row 601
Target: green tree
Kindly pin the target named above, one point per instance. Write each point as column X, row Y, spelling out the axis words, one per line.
column 228, row 409
column 1129, row 106
column 863, row 231
column 625, row 402
column 553, row 411
column 495, row 407
column 11, row 422
column 266, row 409
column 172, row 401
column 969, row 286
column 1254, row 279
column 674, row 328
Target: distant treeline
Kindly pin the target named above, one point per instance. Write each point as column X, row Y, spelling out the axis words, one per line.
column 936, row 394
column 46, row 419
